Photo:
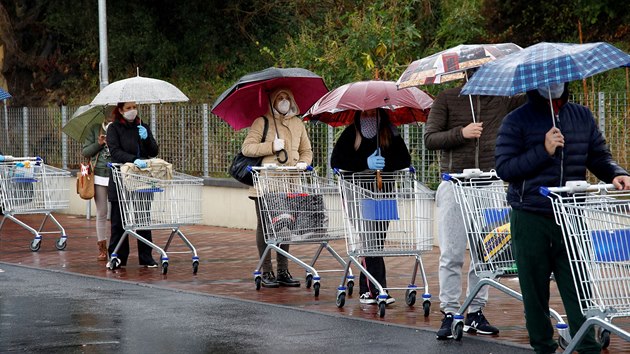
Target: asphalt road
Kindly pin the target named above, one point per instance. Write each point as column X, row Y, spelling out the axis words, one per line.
column 44, row 311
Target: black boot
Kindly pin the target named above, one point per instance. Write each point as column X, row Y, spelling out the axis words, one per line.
column 269, row 280
column 285, row 279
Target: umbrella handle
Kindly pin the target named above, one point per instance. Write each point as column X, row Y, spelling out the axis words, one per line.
column 286, row 156
column 379, row 180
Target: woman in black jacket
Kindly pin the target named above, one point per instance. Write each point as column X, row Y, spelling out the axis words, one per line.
column 356, row 150
column 129, row 140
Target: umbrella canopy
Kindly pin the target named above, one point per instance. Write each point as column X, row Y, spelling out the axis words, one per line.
column 4, row 95
column 450, row 64
column 248, row 98
column 543, row 64
column 142, row 90
column 337, row 107
column 78, row 127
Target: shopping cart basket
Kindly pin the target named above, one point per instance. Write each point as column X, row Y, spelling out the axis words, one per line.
column 28, row 186
column 387, row 214
column 486, row 216
column 595, row 221
column 149, row 203
column 299, row 207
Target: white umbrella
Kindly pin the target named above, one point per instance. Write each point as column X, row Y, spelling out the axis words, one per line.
column 142, row 90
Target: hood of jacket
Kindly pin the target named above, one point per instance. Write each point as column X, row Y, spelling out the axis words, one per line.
column 294, row 110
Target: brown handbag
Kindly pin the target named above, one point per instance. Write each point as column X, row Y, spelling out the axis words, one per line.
column 85, row 181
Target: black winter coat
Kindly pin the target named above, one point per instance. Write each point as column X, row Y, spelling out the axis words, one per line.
column 125, row 146
column 522, row 160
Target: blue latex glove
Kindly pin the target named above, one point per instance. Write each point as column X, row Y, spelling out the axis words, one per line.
column 140, row 163
column 376, row 162
column 1, row 158
column 143, row 132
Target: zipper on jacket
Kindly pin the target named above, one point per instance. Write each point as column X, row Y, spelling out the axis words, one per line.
column 522, row 191
column 557, row 118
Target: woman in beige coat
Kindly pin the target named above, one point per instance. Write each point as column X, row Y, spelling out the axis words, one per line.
column 286, row 143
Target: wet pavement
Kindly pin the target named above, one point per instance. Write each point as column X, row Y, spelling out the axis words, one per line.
column 227, row 260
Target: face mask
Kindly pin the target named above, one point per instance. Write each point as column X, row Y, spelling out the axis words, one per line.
column 130, row 115
column 283, row 106
column 368, row 126
column 556, row 90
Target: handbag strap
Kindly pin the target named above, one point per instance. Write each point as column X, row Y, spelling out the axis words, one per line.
column 265, row 130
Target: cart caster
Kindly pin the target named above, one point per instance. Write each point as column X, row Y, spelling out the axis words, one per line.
column 604, row 338
column 562, row 343
column 309, row 280
column 381, row 309
column 426, row 306
column 61, row 243
column 341, row 299
column 164, row 268
column 36, row 244
column 458, row 331
column 410, row 297
column 258, row 281
column 195, row 265
column 350, row 287
column 114, row 263
column 316, row 289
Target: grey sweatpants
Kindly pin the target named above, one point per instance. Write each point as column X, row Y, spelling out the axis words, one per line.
column 452, row 239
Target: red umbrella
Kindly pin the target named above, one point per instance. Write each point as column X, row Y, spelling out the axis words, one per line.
column 337, row 107
column 248, row 98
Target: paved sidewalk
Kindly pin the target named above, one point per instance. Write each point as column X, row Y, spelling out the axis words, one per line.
column 227, row 260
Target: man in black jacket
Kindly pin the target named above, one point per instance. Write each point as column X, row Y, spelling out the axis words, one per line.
column 531, row 152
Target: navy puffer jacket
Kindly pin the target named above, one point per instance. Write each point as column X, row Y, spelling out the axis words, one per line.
column 521, row 158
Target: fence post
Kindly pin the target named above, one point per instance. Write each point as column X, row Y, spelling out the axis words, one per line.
column 64, row 139
column 25, row 131
column 205, row 141
column 601, row 112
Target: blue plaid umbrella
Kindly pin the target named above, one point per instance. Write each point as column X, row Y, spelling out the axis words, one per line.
column 4, row 95
column 543, row 64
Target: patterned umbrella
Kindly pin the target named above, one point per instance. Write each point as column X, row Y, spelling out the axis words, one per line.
column 450, row 64
column 4, row 95
column 543, row 64
column 337, row 107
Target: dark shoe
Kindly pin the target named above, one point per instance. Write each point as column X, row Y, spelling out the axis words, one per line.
column 477, row 322
column 269, row 280
column 367, row 298
column 285, row 279
column 445, row 331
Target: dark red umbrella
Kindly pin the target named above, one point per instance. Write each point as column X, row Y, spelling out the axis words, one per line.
column 248, row 98
column 338, row 107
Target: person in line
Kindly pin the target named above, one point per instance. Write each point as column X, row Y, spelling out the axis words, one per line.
column 287, row 143
column 463, row 144
column 95, row 148
column 129, row 140
column 371, row 143
column 531, row 152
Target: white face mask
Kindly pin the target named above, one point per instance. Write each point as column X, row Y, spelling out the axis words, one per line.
column 130, row 115
column 283, row 106
column 556, row 90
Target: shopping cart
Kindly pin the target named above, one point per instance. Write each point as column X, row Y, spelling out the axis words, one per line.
column 299, row 207
column 387, row 214
column 150, row 203
column 482, row 199
column 595, row 221
column 28, row 186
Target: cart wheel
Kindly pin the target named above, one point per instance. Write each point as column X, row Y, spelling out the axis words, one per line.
column 341, row 299
column 604, row 338
column 563, row 343
column 35, row 245
column 458, row 331
column 164, row 268
column 381, row 309
column 427, row 308
column 258, row 281
column 195, row 267
column 61, row 243
column 309, row 280
column 350, row 287
column 316, row 289
column 410, row 297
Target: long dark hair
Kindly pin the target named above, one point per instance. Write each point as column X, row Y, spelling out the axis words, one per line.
column 385, row 133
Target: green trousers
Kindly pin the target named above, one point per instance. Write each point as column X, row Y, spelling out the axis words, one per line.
column 539, row 250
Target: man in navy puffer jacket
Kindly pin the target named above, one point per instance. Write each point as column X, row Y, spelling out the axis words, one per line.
column 531, row 153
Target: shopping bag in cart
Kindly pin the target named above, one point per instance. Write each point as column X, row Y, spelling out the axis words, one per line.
column 496, row 242
column 146, row 179
column 379, row 209
column 301, row 213
column 611, row 245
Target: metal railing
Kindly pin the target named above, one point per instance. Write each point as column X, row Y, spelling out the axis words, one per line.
column 201, row 144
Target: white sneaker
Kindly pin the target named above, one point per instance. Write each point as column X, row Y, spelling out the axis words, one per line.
column 389, row 300
column 367, row 298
